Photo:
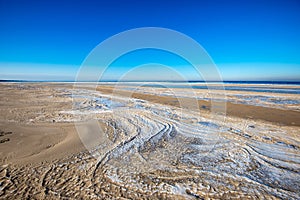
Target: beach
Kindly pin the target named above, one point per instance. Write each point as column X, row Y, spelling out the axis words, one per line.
column 138, row 141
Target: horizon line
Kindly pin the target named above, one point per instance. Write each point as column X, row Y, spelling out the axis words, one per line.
column 149, row 81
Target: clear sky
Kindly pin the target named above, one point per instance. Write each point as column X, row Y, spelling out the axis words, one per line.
column 247, row 39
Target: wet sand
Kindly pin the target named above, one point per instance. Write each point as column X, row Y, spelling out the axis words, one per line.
column 282, row 117
column 152, row 145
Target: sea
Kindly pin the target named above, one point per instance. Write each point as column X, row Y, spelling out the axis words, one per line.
column 284, row 87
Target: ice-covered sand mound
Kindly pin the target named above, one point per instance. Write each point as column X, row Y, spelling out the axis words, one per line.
column 155, row 148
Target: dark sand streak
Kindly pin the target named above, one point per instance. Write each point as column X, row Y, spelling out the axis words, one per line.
column 281, row 117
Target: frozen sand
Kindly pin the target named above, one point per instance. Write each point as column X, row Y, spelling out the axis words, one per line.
column 151, row 149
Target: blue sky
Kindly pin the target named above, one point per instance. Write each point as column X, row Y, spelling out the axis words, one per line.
column 248, row 40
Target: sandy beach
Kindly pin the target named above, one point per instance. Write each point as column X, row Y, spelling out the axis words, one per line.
column 60, row 141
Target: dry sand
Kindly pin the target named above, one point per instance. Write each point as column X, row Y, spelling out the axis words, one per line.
column 152, row 146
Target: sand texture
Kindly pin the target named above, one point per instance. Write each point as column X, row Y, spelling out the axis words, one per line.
column 64, row 142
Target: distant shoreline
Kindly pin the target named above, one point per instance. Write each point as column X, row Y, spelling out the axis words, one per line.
column 250, row 86
column 154, row 81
